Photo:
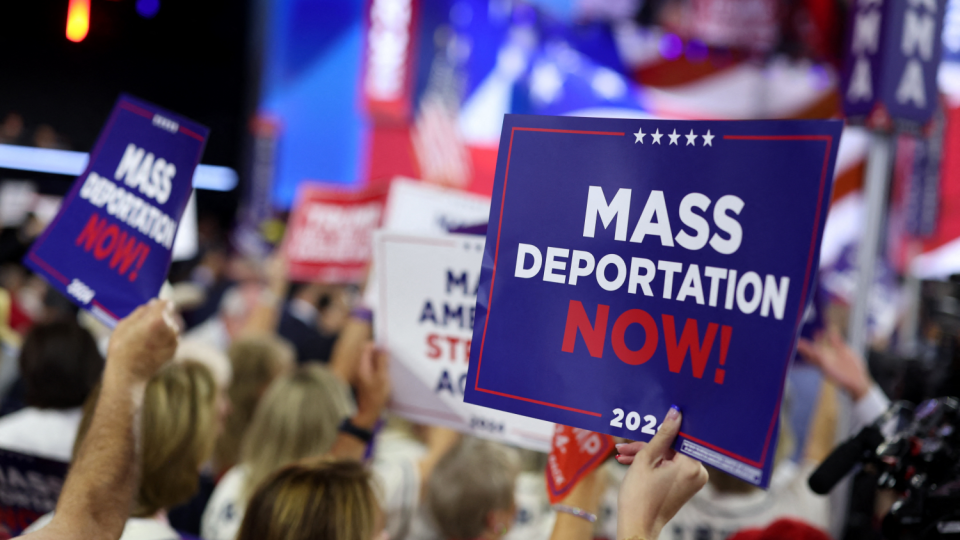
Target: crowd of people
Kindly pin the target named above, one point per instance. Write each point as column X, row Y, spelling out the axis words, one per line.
column 245, row 407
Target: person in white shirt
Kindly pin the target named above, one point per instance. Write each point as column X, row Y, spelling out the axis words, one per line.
column 177, row 436
column 59, row 365
column 297, row 418
column 305, row 414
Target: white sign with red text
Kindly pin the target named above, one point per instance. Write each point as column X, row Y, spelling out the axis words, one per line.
column 329, row 234
column 427, row 288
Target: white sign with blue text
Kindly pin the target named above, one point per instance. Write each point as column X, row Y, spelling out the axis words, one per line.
column 427, row 290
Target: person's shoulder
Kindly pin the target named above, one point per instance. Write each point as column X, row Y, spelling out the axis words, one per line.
column 148, row 529
column 46, row 433
column 230, row 485
column 289, row 321
column 13, row 421
column 221, row 518
column 237, row 473
column 394, row 444
column 23, row 416
column 40, row 523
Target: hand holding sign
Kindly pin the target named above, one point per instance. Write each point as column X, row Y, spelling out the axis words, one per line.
column 143, row 342
column 110, row 245
column 631, row 264
column 658, row 483
column 373, row 386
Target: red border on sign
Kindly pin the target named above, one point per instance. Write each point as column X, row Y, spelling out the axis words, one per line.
column 77, row 186
column 51, row 270
column 136, row 110
column 105, row 310
column 806, row 280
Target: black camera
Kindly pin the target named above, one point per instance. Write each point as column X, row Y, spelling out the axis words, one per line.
column 920, row 461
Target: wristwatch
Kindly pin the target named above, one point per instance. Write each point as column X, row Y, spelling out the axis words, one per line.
column 348, row 427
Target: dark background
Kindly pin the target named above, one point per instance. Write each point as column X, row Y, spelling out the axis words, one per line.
column 190, row 58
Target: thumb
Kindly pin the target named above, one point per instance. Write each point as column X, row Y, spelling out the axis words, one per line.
column 661, row 442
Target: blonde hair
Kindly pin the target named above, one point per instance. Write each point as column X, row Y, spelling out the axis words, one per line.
column 324, row 501
column 256, row 362
column 297, row 418
column 475, row 478
column 176, row 436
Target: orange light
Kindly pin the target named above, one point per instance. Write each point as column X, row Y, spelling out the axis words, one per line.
column 78, row 20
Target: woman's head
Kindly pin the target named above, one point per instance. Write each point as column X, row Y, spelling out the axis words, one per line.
column 297, row 418
column 329, row 500
column 219, row 366
column 256, row 362
column 176, row 438
column 470, row 493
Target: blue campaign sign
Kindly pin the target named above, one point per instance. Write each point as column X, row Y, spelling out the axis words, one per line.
column 892, row 55
column 634, row 264
column 29, row 488
column 109, row 247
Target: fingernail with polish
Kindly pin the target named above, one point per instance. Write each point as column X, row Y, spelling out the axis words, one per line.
column 619, row 446
column 673, row 413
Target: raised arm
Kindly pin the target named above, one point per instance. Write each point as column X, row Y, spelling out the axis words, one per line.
column 98, row 493
column 585, row 497
column 348, row 350
column 372, row 385
column 265, row 314
column 848, row 370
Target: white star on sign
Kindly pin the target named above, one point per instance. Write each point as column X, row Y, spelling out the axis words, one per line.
column 691, row 138
column 656, row 136
column 673, row 137
column 708, row 139
column 639, row 135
